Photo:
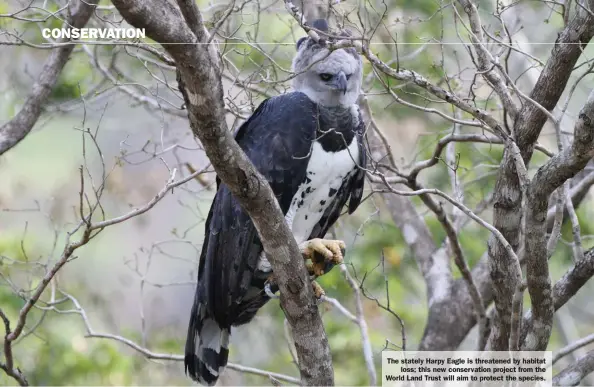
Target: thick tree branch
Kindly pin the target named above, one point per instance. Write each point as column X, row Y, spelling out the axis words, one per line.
column 200, row 81
column 507, row 196
column 193, row 17
column 552, row 81
column 12, row 132
column 566, row 287
column 549, row 177
column 573, row 347
column 572, row 375
column 8, row 365
column 573, row 280
column 580, row 187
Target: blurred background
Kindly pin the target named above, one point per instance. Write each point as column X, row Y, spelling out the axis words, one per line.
column 115, row 112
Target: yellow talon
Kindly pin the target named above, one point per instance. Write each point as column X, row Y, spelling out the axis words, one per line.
column 331, row 250
column 317, row 289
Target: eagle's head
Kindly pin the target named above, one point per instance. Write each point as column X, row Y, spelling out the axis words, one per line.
column 330, row 78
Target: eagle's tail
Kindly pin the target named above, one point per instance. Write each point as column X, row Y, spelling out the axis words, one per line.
column 207, row 347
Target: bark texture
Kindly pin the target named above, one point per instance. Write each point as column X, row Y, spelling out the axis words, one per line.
column 199, row 76
column 507, row 215
column 12, row 132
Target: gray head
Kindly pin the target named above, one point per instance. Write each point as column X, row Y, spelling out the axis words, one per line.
column 330, row 78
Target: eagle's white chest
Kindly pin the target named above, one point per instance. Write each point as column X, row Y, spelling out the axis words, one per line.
column 326, row 172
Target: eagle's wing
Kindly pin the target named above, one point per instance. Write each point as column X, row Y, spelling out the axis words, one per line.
column 277, row 138
column 350, row 191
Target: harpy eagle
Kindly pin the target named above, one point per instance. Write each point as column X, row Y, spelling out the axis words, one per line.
column 308, row 144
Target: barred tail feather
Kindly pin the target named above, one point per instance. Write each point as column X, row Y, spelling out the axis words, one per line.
column 207, row 347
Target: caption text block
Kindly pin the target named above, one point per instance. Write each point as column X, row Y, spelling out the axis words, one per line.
column 466, row 368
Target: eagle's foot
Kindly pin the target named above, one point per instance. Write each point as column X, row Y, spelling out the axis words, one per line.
column 330, row 253
column 267, row 285
column 317, row 289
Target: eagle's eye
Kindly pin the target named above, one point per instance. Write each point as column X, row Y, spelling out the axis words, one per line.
column 325, row 77
column 348, row 76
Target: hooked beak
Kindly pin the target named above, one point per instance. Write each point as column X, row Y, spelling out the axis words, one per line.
column 340, row 82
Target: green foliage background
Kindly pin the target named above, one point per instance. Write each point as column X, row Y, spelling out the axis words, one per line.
column 58, row 353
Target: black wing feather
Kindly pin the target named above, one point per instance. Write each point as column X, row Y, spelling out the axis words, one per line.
column 277, row 138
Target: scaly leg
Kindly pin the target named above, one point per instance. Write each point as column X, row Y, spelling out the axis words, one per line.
column 268, row 284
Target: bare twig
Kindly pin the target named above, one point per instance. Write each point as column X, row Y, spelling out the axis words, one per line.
column 199, row 69
column 572, row 347
column 91, row 333
column 485, row 59
column 12, row 132
column 360, row 319
column 572, row 375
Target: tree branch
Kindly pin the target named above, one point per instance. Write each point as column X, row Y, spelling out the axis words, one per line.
column 91, row 333
column 564, row 289
column 12, row 132
column 446, row 297
column 507, row 213
column 199, row 76
column 573, row 347
column 8, row 365
column 572, row 375
column 579, row 190
column 549, row 177
column 486, row 62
